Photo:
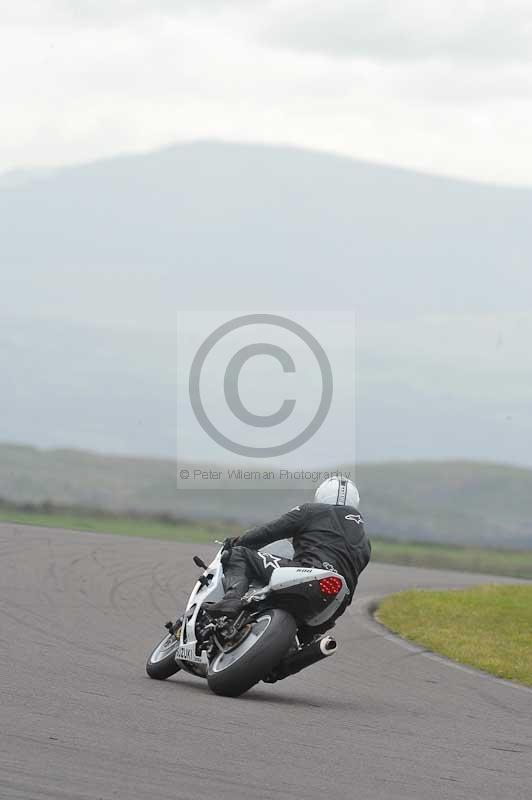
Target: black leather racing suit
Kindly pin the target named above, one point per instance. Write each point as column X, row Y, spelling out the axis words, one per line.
column 323, row 536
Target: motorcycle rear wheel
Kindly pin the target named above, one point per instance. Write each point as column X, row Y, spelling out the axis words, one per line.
column 233, row 672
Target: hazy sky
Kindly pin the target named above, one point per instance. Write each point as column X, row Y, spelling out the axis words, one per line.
column 441, row 86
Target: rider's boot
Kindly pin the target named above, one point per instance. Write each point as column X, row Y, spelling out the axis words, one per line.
column 231, row 604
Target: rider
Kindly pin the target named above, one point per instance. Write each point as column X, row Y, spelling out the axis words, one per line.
column 326, row 534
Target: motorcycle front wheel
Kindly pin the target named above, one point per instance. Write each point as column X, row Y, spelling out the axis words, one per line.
column 235, row 670
column 161, row 663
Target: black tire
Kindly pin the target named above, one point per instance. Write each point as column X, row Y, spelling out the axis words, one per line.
column 161, row 663
column 233, row 673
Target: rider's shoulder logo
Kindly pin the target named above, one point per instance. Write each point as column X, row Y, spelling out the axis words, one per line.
column 355, row 518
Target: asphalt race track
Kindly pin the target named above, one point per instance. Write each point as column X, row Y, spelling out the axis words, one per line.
column 80, row 719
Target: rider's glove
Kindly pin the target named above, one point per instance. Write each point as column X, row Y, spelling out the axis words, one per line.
column 231, row 541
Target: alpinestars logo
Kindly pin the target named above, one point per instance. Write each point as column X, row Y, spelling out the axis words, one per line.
column 356, row 518
column 269, row 560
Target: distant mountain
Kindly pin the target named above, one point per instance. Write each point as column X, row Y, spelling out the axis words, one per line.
column 128, row 239
column 459, row 502
column 97, row 259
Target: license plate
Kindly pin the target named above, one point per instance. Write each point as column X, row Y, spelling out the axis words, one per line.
column 187, row 652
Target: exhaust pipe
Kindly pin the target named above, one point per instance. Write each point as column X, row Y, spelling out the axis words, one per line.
column 305, row 657
column 327, row 646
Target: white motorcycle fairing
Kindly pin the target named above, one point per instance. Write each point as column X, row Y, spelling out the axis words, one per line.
column 203, row 591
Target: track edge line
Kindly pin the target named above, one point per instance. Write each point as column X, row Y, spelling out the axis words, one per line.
column 367, row 609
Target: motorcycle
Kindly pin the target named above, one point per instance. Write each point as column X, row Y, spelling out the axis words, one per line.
column 279, row 632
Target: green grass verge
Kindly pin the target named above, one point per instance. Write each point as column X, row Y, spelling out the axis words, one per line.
column 100, row 523
column 419, row 554
column 488, row 627
column 514, row 563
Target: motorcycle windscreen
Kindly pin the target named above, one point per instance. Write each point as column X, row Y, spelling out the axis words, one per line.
column 283, row 549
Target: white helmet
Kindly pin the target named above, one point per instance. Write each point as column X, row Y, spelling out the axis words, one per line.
column 337, row 492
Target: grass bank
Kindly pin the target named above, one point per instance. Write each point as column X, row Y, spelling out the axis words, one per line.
column 513, row 563
column 488, row 627
column 152, row 528
column 419, row 554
